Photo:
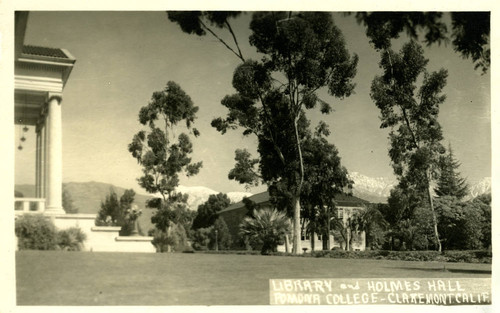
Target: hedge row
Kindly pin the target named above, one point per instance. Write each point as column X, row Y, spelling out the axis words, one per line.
column 35, row 232
column 466, row 256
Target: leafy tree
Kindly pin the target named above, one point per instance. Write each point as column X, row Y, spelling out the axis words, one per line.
column 470, row 31
column 424, row 233
column 403, row 213
column 372, row 222
column 250, row 206
column 162, row 154
column 244, row 169
column 206, row 238
column 305, row 50
column 207, row 212
column 266, row 229
column 110, row 212
column 224, row 239
column 346, row 228
column 114, row 212
column 126, row 201
column 184, row 217
column 67, row 203
column 201, row 238
column 412, row 116
column 170, row 210
column 161, row 157
column 324, row 179
column 401, row 204
column 175, row 239
column 460, row 223
column 416, row 232
column 449, row 182
column 483, row 205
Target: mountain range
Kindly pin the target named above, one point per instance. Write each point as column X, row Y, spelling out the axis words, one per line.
column 87, row 196
column 373, row 189
column 378, row 189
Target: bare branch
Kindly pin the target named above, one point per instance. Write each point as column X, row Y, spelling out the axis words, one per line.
column 221, row 40
column 235, row 40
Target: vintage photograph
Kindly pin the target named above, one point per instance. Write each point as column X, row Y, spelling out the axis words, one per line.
column 252, row 158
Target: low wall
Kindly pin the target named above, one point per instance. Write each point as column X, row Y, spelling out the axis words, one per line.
column 136, row 243
column 100, row 238
column 84, row 221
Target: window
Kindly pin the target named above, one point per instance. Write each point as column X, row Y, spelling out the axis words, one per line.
column 341, row 213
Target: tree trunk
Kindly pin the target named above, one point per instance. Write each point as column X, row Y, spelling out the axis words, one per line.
column 297, row 246
column 434, row 218
column 326, row 239
column 326, row 231
column 287, row 243
column 296, row 213
column 328, row 225
column 169, row 231
column 348, row 241
column 312, row 241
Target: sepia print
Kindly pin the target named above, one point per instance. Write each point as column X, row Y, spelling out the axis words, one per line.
column 168, row 158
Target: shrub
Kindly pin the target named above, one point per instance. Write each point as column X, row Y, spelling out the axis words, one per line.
column 35, row 232
column 224, row 240
column 114, row 212
column 201, row 238
column 471, row 256
column 71, row 239
column 267, row 228
column 174, row 239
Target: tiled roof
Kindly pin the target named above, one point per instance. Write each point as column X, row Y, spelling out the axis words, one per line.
column 340, row 200
column 347, row 200
column 257, row 198
column 43, row 51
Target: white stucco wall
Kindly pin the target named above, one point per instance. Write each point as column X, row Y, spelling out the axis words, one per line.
column 100, row 238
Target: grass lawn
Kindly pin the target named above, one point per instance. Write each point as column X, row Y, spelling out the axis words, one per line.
column 86, row 278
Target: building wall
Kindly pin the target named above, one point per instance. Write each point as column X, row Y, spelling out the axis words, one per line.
column 345, row 213
column 233, row 219
column 99, row 238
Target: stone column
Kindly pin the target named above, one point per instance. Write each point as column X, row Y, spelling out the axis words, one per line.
column 43, row 179
column 54, row 192
column 38, row 163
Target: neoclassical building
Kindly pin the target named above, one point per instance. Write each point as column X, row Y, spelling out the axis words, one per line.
column 346, row 205
column 40, row 76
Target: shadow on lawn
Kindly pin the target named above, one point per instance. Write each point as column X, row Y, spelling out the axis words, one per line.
column 445, row 269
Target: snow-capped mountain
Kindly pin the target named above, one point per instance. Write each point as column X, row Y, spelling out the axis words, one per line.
column 377, row 189
column 479, row 188
column 373, row 189
column 199, row 194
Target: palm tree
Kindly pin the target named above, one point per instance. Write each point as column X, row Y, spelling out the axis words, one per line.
column 369, row 220
column 267, row 228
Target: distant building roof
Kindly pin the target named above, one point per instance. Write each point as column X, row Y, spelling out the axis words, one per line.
column 257, row 198
column 349, row 200
column 263, row 197
column 44, row 51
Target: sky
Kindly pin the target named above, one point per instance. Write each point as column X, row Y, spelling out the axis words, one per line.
column 123, row 57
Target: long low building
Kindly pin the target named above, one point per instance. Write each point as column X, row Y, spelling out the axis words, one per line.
column 346, row 205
